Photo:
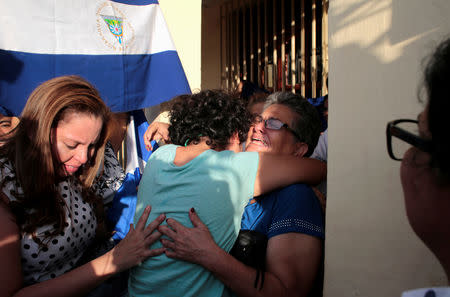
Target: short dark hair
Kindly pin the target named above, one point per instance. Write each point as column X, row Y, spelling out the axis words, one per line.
column 307, row 123
column 211, row 113
column 437, row 82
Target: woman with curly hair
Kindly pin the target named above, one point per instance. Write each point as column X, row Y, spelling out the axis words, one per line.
column 204, row 169
column 51, row 195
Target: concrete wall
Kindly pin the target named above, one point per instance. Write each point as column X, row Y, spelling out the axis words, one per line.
column 375, row 53
column 184, row 21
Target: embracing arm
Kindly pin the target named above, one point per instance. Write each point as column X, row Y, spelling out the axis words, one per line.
column 132, row 250
column 289, row 271
column 276, row 171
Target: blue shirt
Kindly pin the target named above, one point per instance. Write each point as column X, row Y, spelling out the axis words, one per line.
column 294, row 208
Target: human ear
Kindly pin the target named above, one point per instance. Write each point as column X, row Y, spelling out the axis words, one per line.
column 301, row 149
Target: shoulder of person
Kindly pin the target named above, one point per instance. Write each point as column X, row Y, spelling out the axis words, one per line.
column 297, row 198
column 295, row 190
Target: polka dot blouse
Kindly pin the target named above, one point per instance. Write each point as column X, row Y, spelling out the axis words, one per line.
column 63, row 251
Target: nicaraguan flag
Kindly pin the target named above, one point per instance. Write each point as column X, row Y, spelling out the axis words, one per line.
column 121, row 212
column 123, row 47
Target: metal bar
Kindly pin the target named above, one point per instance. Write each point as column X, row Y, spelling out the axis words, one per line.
column 302, row 48
column 266, row 47
column 244, row 41
column 258, row 21
column 229, row 47
column 325, row 46
column 293, row 68
column 222, row 74
column 274, row 45
column 313, row 51
column 283, row 48
column 236, row 36
column 252, row 38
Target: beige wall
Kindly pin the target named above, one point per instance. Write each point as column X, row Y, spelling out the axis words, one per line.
column 184, row 21
column 375, row 51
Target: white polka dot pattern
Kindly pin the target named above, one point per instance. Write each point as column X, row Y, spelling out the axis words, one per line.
column 295, row 223
column 61, row 252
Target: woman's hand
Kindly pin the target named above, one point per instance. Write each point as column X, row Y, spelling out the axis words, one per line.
column 156, row 131
column 134, row 248
column 188, row 244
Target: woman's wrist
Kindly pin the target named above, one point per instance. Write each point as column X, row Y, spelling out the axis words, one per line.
column 106, row 265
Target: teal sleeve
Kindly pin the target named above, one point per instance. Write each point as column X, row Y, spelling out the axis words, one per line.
column 247, row 165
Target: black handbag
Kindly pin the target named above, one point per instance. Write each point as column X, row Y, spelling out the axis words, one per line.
column 250, row 248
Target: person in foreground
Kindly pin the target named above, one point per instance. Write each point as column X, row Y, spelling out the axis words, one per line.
column 50, row 206
column 291, row 218
column 204, row 170
column 425, row 168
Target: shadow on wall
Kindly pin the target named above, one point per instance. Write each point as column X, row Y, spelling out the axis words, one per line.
column 375, row 52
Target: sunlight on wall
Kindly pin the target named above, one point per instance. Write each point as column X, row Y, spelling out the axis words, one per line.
column 367, row 24
column 376, row 49
column 184, row 21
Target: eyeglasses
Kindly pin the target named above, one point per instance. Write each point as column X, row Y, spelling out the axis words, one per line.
column 400, row 134
column 275, row 124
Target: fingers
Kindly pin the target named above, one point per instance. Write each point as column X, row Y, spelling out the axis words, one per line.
column 164, row 131
column 171, row 254
column 155, row 130
column 196, row 222
column 154, row 224
column 143, row 219
column 175, row 225
column 152, row 238
column 168, row 244
column 154, row 252
column 148, row 135
column 164, row 230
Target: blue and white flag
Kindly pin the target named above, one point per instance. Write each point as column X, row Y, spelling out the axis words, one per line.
column 121, row 212
column 123, row 47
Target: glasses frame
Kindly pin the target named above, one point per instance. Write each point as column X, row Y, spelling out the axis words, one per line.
column 392, row 130
column 259, row 119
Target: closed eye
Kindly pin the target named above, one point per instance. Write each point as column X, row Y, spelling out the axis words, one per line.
column 5, row 123
column 71, row 147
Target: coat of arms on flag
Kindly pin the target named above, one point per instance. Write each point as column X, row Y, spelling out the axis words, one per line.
column 113, row 27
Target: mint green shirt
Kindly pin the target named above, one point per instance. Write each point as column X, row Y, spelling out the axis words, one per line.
column 218, row 185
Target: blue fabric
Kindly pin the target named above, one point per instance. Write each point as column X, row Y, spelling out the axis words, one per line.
column 318, row 103
column 294, row 208
column 121, row 213
column 125, row 82
column 217, row 185
column 4, row 111
column 140, row 127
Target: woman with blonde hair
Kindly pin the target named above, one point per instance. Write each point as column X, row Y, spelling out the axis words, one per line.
column 51, row 206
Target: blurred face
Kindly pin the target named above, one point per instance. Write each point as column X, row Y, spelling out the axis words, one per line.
column 280, row 141
column 73, row 140
column 7, row 124
column 426, row 201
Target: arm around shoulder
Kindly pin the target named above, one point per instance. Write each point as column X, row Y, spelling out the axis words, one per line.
column 276, row 171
